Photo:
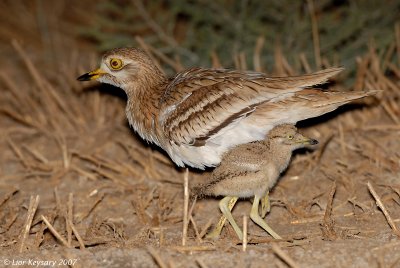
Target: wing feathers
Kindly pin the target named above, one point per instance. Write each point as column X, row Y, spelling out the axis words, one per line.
column 211, row 100
column 303, row 81
column 303, row 105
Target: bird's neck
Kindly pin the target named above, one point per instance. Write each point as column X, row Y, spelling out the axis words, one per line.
column 143, row 105
column 281, row 155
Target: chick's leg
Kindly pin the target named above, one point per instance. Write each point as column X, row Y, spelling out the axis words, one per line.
column 224, row 207
column 215, row 233
column 257, row 219
column 265, row 205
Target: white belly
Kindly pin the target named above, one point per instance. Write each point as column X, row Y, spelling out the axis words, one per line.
column 211, row 153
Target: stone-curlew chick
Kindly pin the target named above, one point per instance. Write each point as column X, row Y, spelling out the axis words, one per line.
column 252, row 170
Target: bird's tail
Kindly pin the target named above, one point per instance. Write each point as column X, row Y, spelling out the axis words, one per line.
column 306, row 80
column 317, row 102
column 304, row 104
column 199, row 192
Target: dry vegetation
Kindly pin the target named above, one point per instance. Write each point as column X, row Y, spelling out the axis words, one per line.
column 76, row 183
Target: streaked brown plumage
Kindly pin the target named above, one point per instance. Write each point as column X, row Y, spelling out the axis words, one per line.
column 199, row 114
column 252, row 169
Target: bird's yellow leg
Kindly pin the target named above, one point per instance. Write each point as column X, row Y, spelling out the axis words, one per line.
column 265, row 205
column 214, row 234
column 257, row 219
column 223, row 206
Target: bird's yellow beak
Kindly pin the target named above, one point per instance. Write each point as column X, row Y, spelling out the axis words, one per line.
column 309, row 141
column 93, row 75
column 304, row 140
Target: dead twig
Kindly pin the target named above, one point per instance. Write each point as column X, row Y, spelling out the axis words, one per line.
column 244, row 241
column 48, row 90
column 69, row 218
column 154, row 254
column 193, row 248
column 177, row 67
column 362, row 65
column 390, row 112
column 257, row 54
column 380, row 204
column 205, row 228
column 7, row 196
column 185, row 206
column 342, row 140
column 284, row 256
column 33, row 205
column 19, row 154
column 196, row 230
column 54, row 232
column 381, row 127
column 215, row 61
column 397, row 34
column 201, row 263
column 153, row 25
column 58, row 201
column 168, row 39
column 304, row 63
column 77, row 235
column 315, row 34
column 328, row 223
column 83, row 216
column 192, row 221
column 394, row 69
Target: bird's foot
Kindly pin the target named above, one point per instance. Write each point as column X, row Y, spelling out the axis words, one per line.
column 224, row 207
column 216, row 232
column 257, row 219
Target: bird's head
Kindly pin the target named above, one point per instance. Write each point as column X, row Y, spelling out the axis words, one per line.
column 125, row 68
column 287, row 135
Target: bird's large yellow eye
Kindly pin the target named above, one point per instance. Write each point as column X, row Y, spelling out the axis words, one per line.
column 116, row 64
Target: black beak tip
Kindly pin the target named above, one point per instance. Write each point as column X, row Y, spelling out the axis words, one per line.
column 84, row 77
column 313, row 142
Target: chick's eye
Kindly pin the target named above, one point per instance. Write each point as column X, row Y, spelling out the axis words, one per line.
column 116, row 64
column 290, row 137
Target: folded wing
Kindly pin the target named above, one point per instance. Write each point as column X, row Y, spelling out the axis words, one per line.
column 201, row 103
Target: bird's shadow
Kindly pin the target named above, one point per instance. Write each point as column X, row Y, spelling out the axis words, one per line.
column 330, row 116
